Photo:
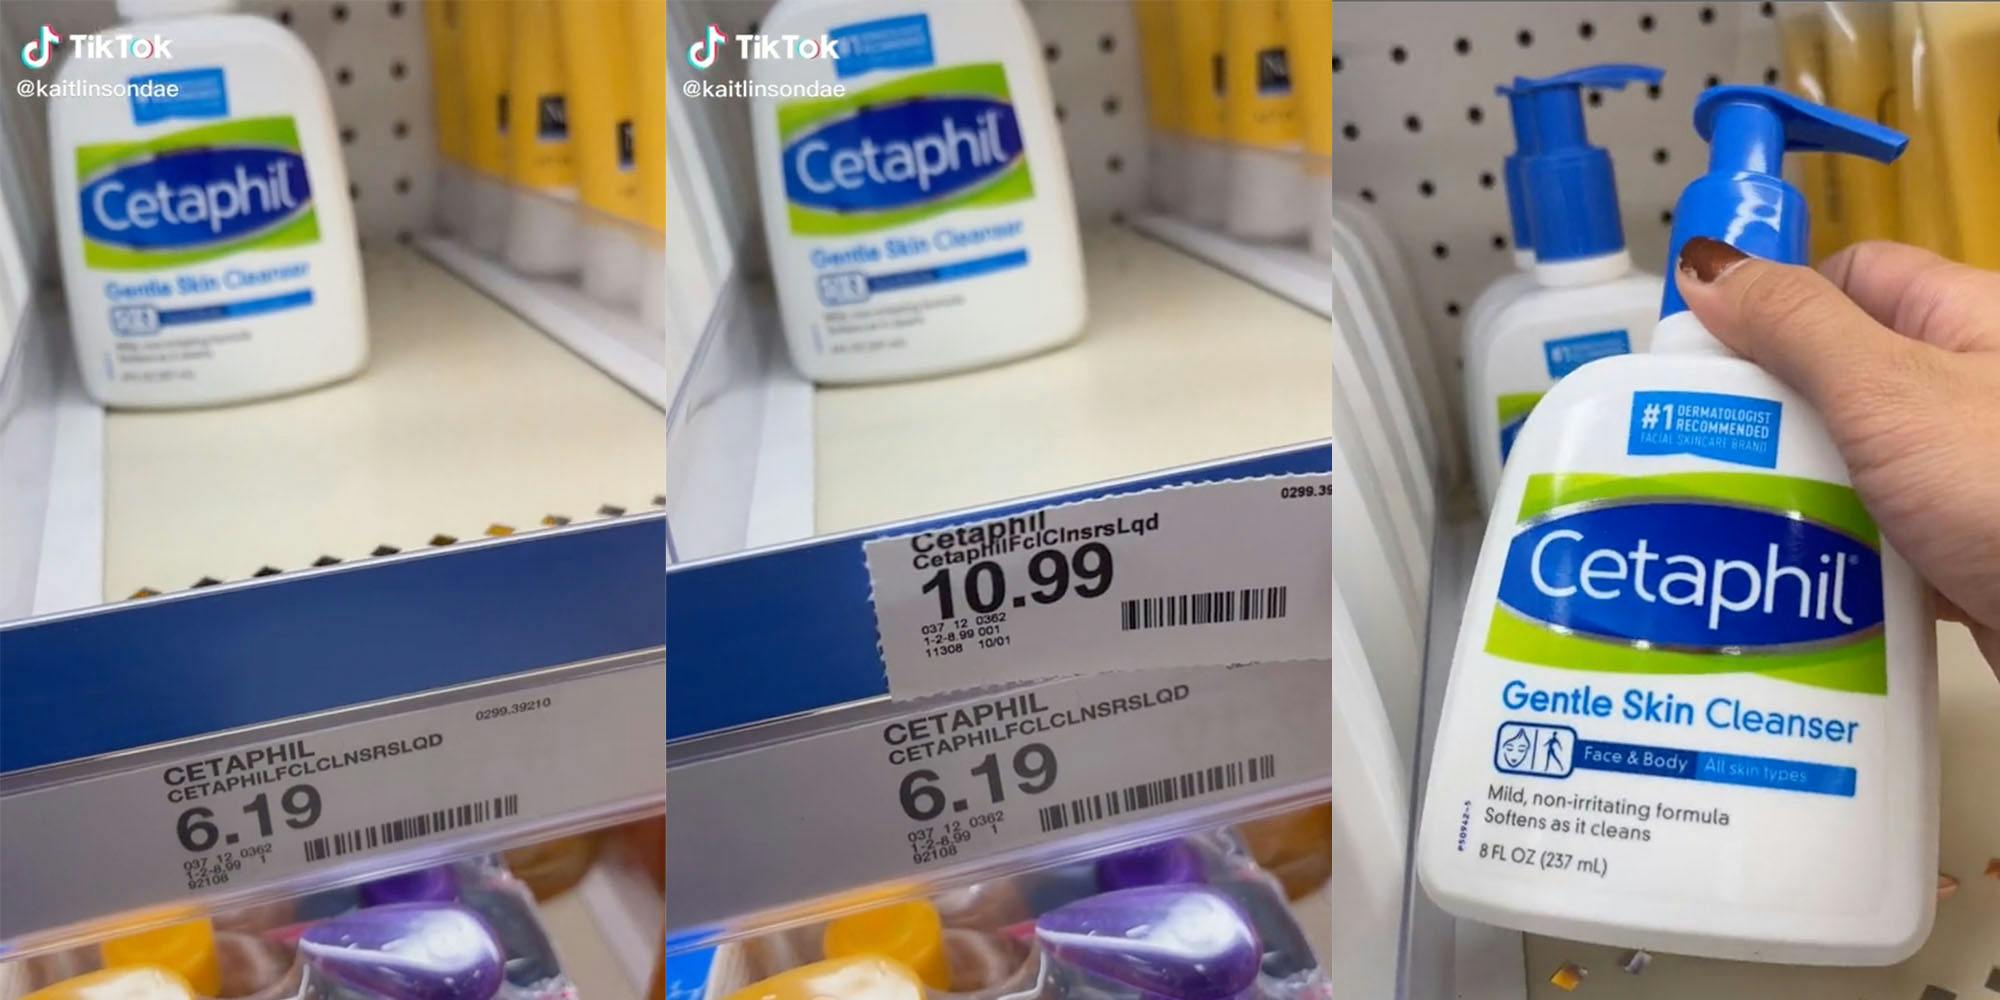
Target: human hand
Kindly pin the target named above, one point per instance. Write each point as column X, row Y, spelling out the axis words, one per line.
column 1899, row 349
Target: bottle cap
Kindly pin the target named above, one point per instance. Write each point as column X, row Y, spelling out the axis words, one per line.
column 186, row 948
column 1169, row 862
column 133, row 982
column 860, row 977
column 910, row 933
column 435, row 884
column 148, row 10
column 1511, row 170
column 1567, row 183
column 1743, row 199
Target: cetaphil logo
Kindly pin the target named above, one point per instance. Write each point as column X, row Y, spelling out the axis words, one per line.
column 1695, row 573
column 201, row 194
column 36, row 54
column 927, row 143
column 1692, row 575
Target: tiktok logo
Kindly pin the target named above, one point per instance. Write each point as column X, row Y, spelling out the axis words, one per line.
column 36, row 54
column 701, row 55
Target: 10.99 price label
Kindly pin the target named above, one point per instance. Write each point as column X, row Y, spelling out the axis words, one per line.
column 1192, row 575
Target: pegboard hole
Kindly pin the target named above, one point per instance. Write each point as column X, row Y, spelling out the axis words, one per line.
column 397, row 70
column 347, row 136
column 1350, row 131
column 354, row 192
column 285, row 17
column 1426, row 188
column 339, row 12
column 1451, row 309
column 1475, row 114
column 1486, row 180
column 1115, row 164
column 1712, row 81
column 1463, row 46
column 1399, row 55
column 401, row 130
column 1660, row 156
column 1524, row 38
column 402, row 185
column 1708, row 15
column 1368, row 195
column 1586, row 31
column 1499, row 241
column 1413, row 123
column 1062, row 113
column 1105, row 43
column 1337, row 64
column 395, row 8
column 1646, row 22
column 1653, row 91
column 1051, row 51
column 1111, row 106
column 1440, row 251
column 1770, row 76
column 1769, row 9
column 343, row 76
column 404, row 237
column 1596, row 98
column 1666, row 217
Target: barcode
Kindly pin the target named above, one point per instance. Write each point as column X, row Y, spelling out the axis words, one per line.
column 396, row 831
column 1209, row 607
column 1148, row 794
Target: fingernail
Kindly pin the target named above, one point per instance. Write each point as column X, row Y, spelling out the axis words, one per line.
column 1705, row 259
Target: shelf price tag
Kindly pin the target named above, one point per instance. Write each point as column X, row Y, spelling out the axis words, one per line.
column 287, row 802
column 937, row 788
column 1203, row 574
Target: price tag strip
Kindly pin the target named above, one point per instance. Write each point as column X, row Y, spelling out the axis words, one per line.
column 949, row 786
column 309, row 801
column 1222, row 572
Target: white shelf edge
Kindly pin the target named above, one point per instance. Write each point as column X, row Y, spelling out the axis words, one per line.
column 617, row 344
column 1288, row 271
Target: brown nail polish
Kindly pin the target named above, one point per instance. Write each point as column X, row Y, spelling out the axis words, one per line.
column 1708, row 259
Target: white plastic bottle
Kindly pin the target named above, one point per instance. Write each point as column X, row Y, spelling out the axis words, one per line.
column 922, row 223
column 1589, row 301
column 207, row 237
column 1693, row 702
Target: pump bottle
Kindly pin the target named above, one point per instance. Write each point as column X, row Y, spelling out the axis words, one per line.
column 1693, row 701
column 1588, row 302
column 1521, row 280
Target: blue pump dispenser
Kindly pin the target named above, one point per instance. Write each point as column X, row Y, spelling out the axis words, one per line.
column 1743, row 200
column 1511, row 172
column 1568, row 188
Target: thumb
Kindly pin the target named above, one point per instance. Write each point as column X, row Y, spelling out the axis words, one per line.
column 1798, row 326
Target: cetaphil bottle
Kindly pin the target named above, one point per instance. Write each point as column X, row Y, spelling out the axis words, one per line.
column 1693, row 703
column 915, row 194
column 1521, row 280
column 1588, row 302
column 207, row 238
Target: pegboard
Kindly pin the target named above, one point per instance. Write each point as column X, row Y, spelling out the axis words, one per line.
column 1091, row 50
column 377, row 68
column 1419, row 134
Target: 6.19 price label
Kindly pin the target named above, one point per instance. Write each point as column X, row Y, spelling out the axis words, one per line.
column 1029, row 770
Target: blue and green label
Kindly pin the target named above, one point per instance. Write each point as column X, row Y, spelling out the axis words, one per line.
column 1566, row 354
column 194, row 195
column 1741, row 430
column 1695, row 573
column 1513, row 409
column 910, row 149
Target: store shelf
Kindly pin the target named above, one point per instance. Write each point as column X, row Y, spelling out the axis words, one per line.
column 467, row 417
column 1284, row 269
column 1963, row 952
column 1181, row 363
